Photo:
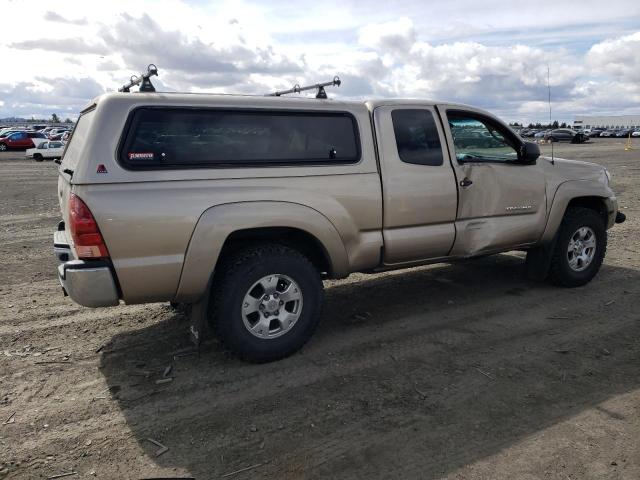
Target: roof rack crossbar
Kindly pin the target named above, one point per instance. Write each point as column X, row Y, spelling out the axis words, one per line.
column 320, row 86
column 143, row 80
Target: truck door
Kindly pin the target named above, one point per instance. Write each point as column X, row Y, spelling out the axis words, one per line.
column 502, row 203
column 418, row 184
column 18, row 140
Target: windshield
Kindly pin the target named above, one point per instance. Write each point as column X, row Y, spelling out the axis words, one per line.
column 71, row 155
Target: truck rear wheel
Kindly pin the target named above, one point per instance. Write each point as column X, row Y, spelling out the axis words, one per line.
column 267, row 302
column 580, row 248
column 37, row 157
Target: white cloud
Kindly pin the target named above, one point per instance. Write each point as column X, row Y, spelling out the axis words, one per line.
column 618, row 58
column 56, row 17
column 396, row 36
column 44, row 96
column 61, row 45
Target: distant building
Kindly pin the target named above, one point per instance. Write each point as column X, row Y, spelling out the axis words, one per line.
column 600, row 121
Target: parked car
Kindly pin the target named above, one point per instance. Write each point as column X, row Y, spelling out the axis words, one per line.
column 5, row 133
column 635, row 133
column 56, row 133
column 528, row 132
column 47, row 150
column 564, row 134
column 541, row 134
column 473, row 138
column 595, row 132
column 290, row 191
column 608, row 133
column 623, row 132
column 21, row 141
column 53, row 130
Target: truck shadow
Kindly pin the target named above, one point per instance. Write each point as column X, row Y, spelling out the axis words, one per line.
column 410, row 375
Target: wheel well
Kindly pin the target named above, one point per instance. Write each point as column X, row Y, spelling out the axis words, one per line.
column 295, row 238
column 594, row 203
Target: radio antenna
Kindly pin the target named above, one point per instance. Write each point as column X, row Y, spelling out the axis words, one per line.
column 550, row 121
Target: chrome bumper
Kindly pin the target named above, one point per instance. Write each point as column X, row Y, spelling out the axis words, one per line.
column 90, row 284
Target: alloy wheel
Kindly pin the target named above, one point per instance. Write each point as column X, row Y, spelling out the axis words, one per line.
column 272, row 306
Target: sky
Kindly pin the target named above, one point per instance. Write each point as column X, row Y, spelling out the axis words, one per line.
column 56, row 56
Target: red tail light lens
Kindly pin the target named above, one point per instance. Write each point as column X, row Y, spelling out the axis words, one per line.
column 84, row 231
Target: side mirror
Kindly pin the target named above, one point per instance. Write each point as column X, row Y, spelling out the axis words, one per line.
column 529, row 153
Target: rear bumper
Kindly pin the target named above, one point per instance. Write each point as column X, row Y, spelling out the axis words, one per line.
column 90, row 284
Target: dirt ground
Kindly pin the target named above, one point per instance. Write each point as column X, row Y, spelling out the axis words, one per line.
column 463, row 371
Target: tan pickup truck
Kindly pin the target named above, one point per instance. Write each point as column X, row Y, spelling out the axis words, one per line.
column 239, row 206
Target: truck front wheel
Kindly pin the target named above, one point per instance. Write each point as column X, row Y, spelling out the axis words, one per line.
column 267, row 302
column 580, row 248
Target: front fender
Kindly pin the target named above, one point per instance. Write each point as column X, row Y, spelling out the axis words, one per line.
column 571, row 189
column 217, row 223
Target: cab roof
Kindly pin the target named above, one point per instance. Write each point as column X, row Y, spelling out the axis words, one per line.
column 203, row 99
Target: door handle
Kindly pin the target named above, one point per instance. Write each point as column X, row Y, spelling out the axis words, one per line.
column 465, row 182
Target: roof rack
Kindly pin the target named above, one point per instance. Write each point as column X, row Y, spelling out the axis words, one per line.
column 320, row 86
column 143, row 80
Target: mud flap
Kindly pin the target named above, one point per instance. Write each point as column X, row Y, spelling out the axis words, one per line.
column 539, row 261
column 198, row 319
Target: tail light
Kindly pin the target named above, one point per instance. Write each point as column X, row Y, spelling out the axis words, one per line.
column 84, row 231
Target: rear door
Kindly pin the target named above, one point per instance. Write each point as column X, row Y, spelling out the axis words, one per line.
column 502, row 204
column 564, row 134
column 418, row 184
column 20, row 140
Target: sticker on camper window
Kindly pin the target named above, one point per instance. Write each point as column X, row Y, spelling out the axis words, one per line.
column 140, row 156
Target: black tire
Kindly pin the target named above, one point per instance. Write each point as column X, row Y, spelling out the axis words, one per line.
column 234, row 280
column 552, row 139
column 560, row 272
column 3, row 147
column 37, row 157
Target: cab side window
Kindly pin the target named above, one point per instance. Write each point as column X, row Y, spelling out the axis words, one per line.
column 417, row 137
column 478, row 140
